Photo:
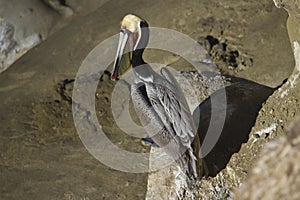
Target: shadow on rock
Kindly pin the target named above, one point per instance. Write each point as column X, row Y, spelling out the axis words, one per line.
column 244, row 100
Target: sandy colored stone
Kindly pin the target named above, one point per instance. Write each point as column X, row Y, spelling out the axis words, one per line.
column 276, row 173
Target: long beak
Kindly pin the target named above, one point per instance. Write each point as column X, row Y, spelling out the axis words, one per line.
column 121, row 46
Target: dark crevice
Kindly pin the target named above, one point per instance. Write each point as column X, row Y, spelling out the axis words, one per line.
column 244, row 100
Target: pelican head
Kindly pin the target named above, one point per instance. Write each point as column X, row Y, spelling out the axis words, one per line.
column 133, row 36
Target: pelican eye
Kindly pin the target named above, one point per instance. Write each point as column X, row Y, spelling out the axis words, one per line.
column 125, row 30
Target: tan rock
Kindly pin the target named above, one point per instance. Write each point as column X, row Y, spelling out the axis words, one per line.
column 276, row 174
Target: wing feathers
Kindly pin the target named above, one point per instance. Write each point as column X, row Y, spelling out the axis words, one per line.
column 171, row 114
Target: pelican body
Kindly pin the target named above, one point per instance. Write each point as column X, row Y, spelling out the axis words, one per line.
column 159, row 102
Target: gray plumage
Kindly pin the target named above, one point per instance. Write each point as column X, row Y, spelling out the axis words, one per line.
column 164, row 113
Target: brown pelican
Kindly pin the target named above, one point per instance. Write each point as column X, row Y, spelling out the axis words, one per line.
column 159, row 101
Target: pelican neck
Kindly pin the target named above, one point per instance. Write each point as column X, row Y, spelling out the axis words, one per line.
column 137, row 58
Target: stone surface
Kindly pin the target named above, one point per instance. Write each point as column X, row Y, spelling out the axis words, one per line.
column 29, row 23
column 10, row 49
column 32, row 21
column 293, row 23
column 60, row 7
column 276, row 174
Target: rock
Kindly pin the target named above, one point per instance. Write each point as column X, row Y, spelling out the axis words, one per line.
column 60, row 6
column 22, row 26
column 28, row 17
column 10, row 49
column 293, row 23
column 276, row 173
column 7, row 42
column 27, row 23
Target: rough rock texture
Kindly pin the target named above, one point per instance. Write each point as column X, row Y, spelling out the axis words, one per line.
column 10, row 49
column 223, row 56
column 22, row 26
column 276, row 173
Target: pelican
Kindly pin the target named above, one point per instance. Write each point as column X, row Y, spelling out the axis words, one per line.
column 159, row 102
